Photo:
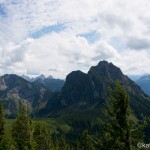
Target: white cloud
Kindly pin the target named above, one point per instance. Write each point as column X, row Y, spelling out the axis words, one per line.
column 58, row 53
column 135, row 62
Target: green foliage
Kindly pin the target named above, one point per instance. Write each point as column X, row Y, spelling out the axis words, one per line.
column 62, row 143
column 41, row 137
column 55, row 141
column 119, row 133
column 22, row 130
column 86, row 141
column 116, row 131
column 7, row 142
column 2, row 121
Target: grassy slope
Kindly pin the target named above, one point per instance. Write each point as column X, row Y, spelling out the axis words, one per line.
column 51, row 123
column 61, row 122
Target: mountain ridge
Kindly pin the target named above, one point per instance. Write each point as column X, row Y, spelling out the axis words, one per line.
column 15, row 90
column 83, row 91
column 80, row 93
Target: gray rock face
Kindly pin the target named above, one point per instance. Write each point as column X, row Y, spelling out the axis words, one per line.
column 2, row 84
column 15, row 90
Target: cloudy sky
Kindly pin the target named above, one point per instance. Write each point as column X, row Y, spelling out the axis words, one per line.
column 55, row 37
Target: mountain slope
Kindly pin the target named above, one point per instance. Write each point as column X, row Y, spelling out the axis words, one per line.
column 15, row 90
column 82, row 95
column 50, row 83
column 89, row 92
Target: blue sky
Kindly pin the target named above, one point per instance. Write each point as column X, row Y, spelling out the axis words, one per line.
column 46, row 30
column 91, row 37
column 55, row 37
column 2, row 11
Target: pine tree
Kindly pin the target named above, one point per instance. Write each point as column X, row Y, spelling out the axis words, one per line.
column 55, row 141
column 2, row 121
column 117, row 127
column 86, row 141
column 7, row 142
column 62, row 143
column 22, row 131
column 41, row 137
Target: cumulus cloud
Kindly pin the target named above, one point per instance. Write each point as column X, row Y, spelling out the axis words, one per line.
column 135, row 62
column 13, row 53
column 31, row 44
column 104, row 51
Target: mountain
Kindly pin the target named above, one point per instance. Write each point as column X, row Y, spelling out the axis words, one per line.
column 85, row 94
column 49, row 83
column 26, row 78
column 144, row 83
column 81, row 95
column 134, row 77
column 15, row 90
column 41, row 77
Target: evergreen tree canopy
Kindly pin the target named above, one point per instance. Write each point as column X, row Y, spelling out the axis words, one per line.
column 41, row 137
column 2, row 121
column 22, row 131
column 118, row 128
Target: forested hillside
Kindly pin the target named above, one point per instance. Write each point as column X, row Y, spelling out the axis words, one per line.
column 116, row 132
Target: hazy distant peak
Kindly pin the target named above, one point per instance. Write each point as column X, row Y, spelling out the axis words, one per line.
column 50, row 77
column 145, row 77
column 41, row 77
column 26, row 77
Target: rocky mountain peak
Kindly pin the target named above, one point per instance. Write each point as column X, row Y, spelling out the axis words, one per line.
column 107, row 70
column 50, row 77
column 75, row 75
column 41, row 77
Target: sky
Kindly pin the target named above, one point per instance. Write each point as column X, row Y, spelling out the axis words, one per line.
column 55, row 37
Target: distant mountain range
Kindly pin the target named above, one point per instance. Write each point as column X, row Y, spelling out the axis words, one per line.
column 81, row 95
column 15, row 90
column 49, row 83
column 41, row 77
column 135, row 77
column 144, row 83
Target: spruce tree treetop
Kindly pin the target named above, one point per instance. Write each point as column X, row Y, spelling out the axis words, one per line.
column 118, row 127
column 2, row 121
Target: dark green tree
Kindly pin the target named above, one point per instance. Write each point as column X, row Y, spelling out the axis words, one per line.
column 55, row 141
column 118, row 128
column 7, row 142
column 41, row 137
column 86, row 141
column 22, row 130
column 2, row 121
column 63, row 145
